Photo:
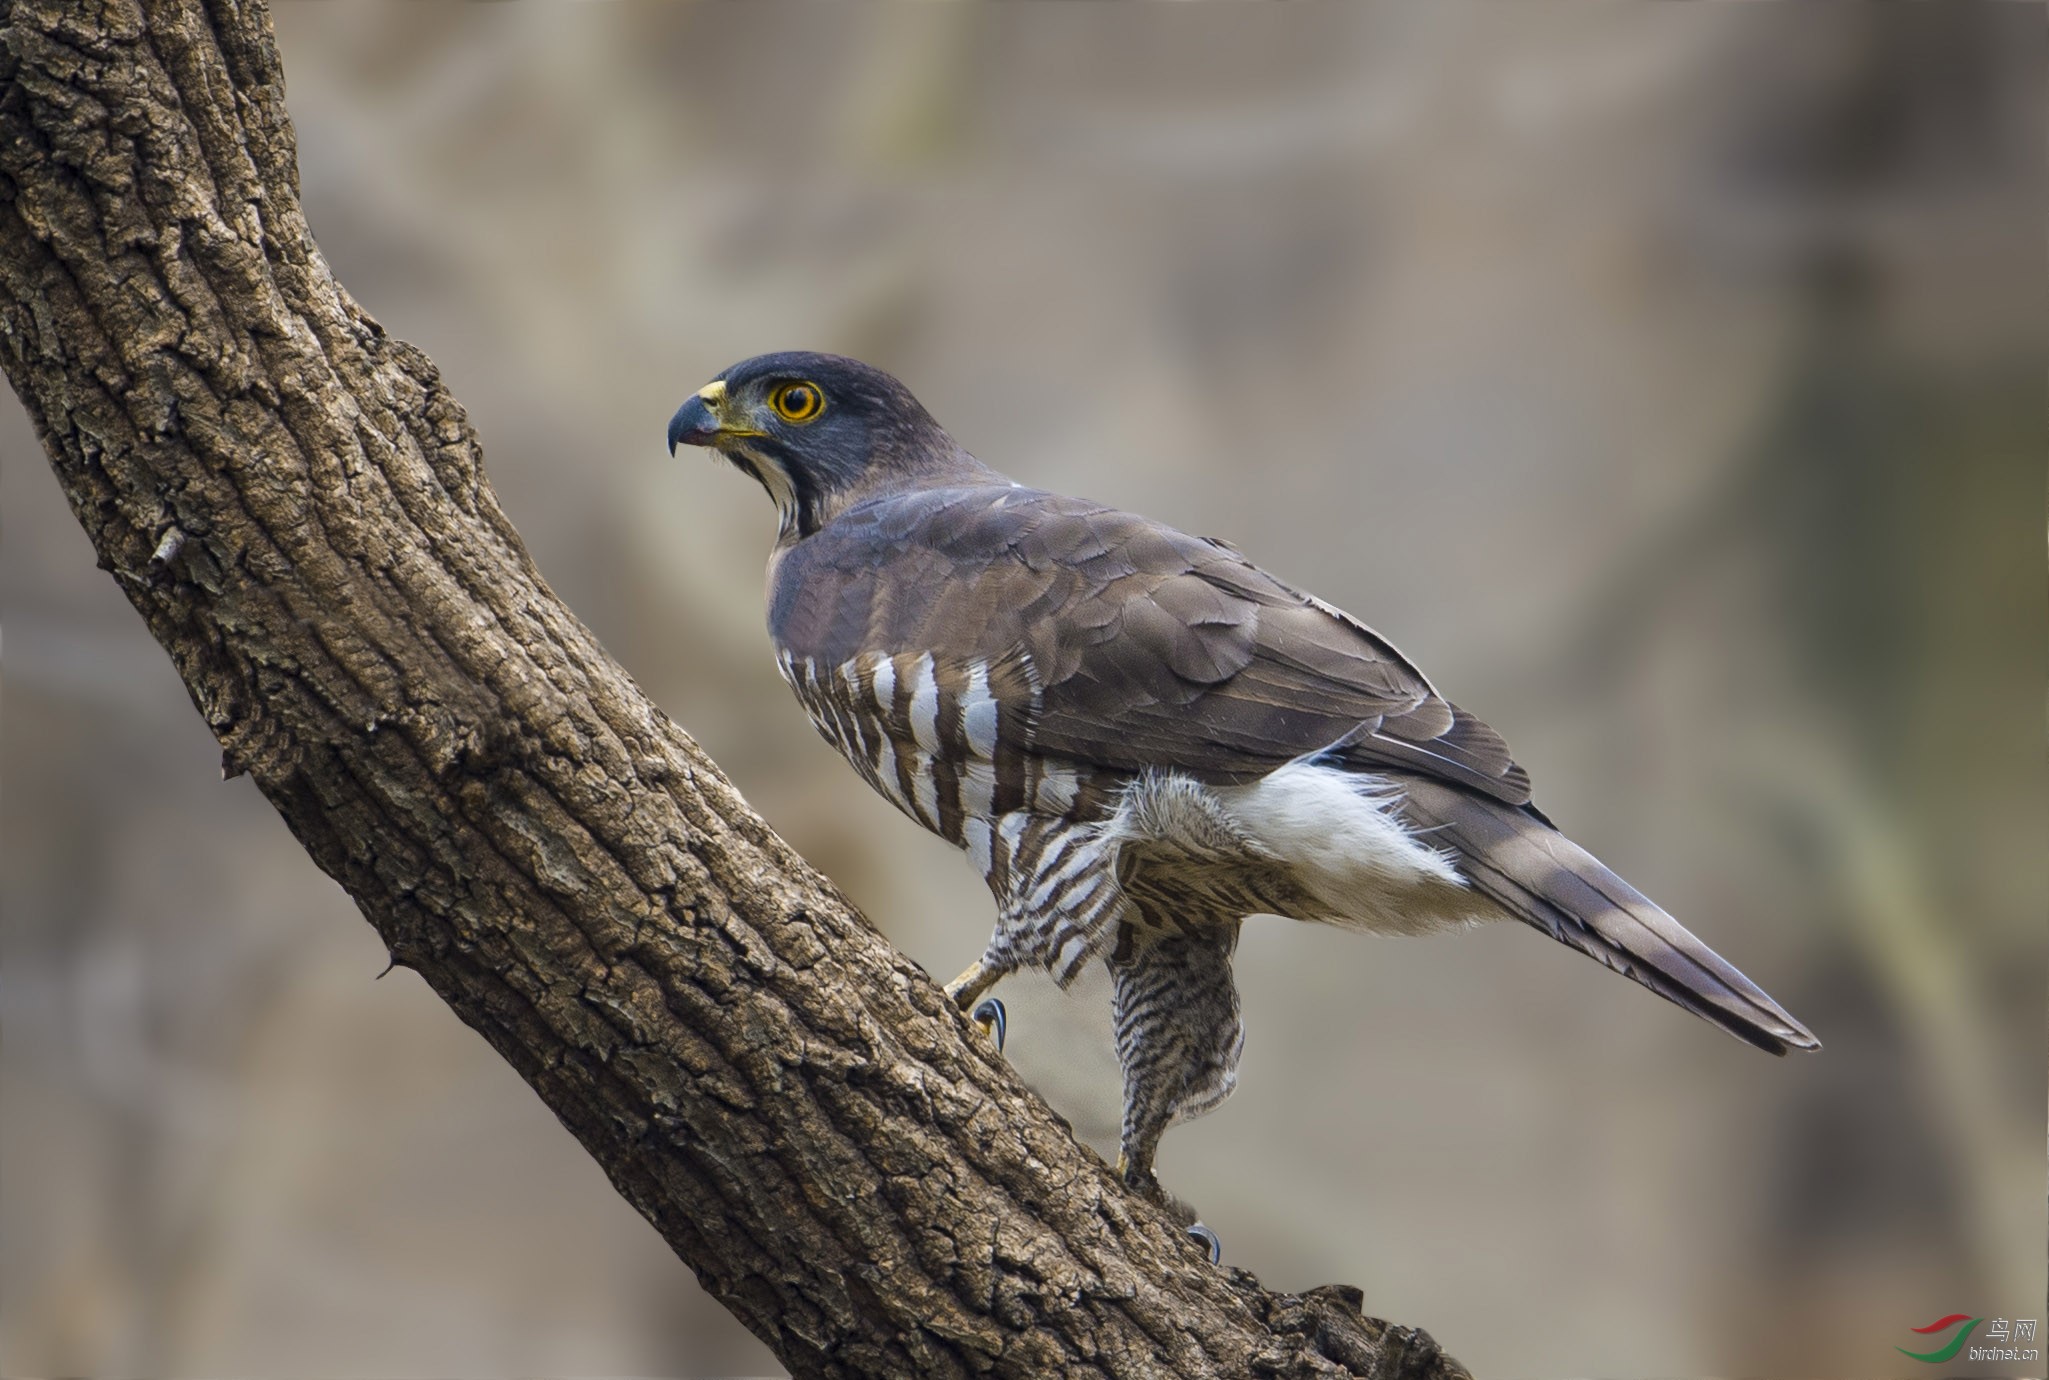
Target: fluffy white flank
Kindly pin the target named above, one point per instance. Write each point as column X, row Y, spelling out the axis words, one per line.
column 1348, row 851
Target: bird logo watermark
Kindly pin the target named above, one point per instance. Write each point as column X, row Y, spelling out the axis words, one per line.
column 1999, row 1332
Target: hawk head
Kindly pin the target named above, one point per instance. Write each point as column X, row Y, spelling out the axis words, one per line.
column 819, row 432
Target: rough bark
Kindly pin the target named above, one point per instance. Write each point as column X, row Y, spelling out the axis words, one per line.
column 297, row 507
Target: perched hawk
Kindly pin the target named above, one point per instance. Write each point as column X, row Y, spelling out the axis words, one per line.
column 1139, row 737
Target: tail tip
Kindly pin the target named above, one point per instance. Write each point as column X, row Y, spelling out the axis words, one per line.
column 1787, row 1039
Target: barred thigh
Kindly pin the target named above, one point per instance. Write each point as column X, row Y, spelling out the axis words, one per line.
column 1178, row 1031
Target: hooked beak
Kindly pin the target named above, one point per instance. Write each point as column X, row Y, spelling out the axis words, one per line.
column 695, row 424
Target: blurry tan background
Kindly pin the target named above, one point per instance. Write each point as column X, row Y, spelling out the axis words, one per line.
column 1668, row 381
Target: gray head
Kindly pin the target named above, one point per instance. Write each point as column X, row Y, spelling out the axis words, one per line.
column 819, row 432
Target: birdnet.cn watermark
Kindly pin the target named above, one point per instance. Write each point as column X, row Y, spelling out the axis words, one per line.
column 2004, row 1339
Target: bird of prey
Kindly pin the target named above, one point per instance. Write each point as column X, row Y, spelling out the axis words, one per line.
column 1139, row 737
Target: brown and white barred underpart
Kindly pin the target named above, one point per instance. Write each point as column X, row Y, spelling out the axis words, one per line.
column 1178, row 1029
column 950, row 745
column 1147, row 870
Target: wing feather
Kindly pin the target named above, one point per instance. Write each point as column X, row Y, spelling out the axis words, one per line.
column 1148, row 646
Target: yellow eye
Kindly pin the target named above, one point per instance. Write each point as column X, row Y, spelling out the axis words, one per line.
column 797, row 402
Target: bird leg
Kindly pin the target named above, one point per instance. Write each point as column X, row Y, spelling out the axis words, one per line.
column 1137, row 1172
column 989, row 1016
column 1178, row 1037
column 963, row 990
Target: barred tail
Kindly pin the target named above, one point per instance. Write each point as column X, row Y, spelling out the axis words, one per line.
column 1538, row 875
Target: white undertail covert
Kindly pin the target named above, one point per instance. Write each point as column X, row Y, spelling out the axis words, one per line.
column 1333, row 833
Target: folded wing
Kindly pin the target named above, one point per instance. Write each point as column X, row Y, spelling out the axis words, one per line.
column 1148, row 647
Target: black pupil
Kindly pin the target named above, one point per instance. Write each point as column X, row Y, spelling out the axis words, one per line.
column 798, row 402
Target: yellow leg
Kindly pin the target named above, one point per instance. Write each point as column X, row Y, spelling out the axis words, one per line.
column 963, row 990
column 1137, row 1173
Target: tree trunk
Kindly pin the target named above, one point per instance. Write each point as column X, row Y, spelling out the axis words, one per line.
column 297, row 506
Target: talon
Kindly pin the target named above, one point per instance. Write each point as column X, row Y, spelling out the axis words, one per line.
column 1208, row 1239
column 992, row 1020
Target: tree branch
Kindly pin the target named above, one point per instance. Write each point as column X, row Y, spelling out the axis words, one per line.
column 297, row 507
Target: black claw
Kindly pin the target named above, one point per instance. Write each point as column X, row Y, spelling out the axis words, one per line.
column 989, row 1012
column 1209, row 1241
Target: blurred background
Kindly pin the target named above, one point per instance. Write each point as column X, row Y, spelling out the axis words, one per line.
column 1667, row 381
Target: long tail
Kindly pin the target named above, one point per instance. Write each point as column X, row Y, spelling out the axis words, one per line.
column 1539, row 875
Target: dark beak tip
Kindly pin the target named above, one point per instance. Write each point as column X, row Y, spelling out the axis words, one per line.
column 692, row 425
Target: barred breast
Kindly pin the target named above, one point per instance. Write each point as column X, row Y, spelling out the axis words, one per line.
column 950, row 745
